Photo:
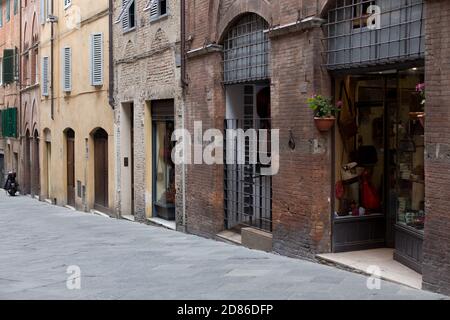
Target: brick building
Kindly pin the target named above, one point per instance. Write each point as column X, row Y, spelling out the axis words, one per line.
column 10, row 134
column 30, row 96
column 254, row 64
column 148, row 104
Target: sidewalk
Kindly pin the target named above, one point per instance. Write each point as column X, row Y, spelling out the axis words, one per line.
column 120, row 259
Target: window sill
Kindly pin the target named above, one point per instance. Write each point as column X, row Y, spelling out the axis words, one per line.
column 159, row 18
column 129, row 30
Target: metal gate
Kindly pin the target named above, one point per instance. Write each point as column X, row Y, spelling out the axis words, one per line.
column 248, row 194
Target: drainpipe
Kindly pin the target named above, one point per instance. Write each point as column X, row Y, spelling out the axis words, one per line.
column 111, row 57
column 19, row 54
column 52, row 64
column 183, row 84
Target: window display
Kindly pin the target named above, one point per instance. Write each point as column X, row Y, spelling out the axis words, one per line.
column 380, row 147
column 165, row 168
column 409, row 143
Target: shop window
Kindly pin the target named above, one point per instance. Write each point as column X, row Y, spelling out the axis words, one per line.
column 163, row 167
column 379, row 152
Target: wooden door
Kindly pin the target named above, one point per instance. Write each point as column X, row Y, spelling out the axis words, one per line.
column 101, row 169
column 70, row 171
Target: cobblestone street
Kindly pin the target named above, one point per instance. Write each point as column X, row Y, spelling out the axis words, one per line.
column 119, row 259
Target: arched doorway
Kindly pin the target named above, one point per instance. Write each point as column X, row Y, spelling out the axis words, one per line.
column 248, row 194
column 70, row 166
column 47, row 160
column 101, row 169
column 27, row 164
column 35, row 181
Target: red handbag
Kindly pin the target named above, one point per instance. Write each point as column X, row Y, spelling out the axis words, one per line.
column 339, row 188
column 370, row 198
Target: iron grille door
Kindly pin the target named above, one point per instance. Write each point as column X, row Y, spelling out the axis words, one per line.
column 248, row 194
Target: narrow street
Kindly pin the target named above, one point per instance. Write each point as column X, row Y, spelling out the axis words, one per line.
column 119, row 259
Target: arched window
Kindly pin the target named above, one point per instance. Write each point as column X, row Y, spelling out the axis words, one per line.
column 246, row 50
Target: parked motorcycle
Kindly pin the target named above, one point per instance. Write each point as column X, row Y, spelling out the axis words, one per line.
column 11, row 185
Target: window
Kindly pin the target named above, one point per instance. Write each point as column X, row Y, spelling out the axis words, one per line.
column 8, row 10
column 42, row 12
column 45, row 76
column 67, row 69
column 1, row 71
column 16, row 6
column 128, row 15
column 352, row 44
column 9, row 122
column 158, row 8
column 26, row 60
column 34, row 67
column 1, row 13
column 67, row 3
column 8, row 66
column 97, row 59
column 246, row 50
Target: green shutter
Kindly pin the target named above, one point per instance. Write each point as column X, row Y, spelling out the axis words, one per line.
column 13, row 122
column 8, row 66
column 16, row 6
column 3, row 113
column 9, row 122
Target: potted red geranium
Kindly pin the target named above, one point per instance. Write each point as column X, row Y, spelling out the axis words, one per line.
column 324, row 112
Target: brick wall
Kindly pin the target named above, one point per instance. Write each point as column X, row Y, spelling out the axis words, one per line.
column 31, row 94
column 436, row 266
column 9, row 94
column 145, row 70
column 301, row 210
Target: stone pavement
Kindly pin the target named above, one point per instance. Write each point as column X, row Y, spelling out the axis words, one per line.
column 119, row 259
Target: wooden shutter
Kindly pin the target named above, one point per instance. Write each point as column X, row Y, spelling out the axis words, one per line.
column 42, row 11
column 9, row 122
column 67, row 69
column 45, row 76
column 97, row 59
column 126, row 16
column 154, row 9
column 8, row 66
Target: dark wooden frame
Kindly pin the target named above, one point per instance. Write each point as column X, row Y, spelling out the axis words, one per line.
column 408, row 247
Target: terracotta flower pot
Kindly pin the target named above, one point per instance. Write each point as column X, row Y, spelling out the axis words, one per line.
column 324, row 124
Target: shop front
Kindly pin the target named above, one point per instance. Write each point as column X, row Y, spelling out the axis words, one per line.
column 378, row 72
column 163, row 167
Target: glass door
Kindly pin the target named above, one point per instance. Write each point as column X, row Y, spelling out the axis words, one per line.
column 163, row 170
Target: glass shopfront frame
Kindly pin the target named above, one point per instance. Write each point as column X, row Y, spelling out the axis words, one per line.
column 163, row 181
column 380, row 195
